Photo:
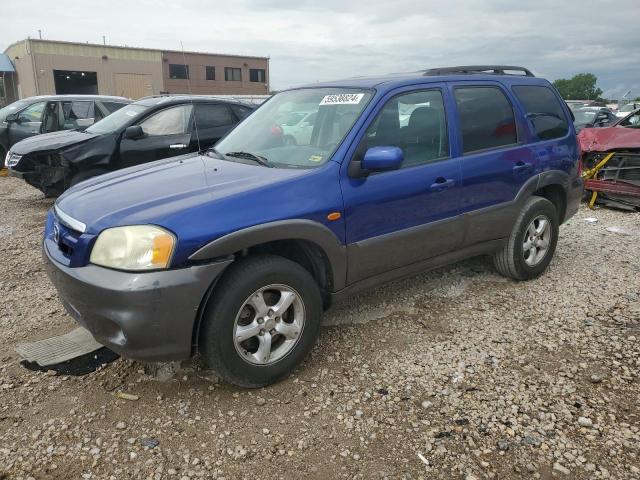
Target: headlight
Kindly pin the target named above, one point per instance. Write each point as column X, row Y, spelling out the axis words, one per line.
column 138, row 247
column 11, row 160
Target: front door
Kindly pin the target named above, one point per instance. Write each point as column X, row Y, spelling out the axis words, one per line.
column 399, row 217
column 27, row 124
column 167, row 133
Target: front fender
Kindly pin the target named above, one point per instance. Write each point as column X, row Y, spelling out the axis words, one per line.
column 281, row 230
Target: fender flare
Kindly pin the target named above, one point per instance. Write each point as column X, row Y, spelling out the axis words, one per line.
column 543, row 179
column 307, row 230
column 554, row 177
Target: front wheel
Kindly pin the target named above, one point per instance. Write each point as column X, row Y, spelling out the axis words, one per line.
column 261, row 321
column 532, row 242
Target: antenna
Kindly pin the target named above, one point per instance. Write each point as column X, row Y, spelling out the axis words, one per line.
column 195, row 117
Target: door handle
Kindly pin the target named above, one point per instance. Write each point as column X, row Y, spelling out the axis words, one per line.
column 520, row 166
column 178, row 145
column 442, row 183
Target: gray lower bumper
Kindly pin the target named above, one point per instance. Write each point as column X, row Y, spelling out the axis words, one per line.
column 144, row 316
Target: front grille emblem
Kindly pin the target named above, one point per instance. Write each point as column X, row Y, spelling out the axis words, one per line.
column 56, row 233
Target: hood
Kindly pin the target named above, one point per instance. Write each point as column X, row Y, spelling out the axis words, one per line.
column 51, row 141
column 159, row 191
column 608, row 138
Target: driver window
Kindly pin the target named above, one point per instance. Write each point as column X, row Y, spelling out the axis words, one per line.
column 171, row 121
column 633, row 121
column 33, row 113
column 416, row 123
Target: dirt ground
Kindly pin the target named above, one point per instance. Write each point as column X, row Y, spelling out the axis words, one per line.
column 454, row 374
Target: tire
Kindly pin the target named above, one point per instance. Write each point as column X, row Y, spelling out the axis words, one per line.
column 232, row 308
column 519, row 263
column 85, row 175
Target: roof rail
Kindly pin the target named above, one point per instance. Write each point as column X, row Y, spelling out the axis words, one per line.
column 487, row 69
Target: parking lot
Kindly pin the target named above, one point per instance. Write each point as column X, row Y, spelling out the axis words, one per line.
column 457, row 373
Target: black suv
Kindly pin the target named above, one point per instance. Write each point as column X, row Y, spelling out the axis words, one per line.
column 51, row 113
column 150, row 129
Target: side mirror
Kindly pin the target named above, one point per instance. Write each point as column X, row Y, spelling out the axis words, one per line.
column 12, row 117
column 133, row 132
column 382, row 158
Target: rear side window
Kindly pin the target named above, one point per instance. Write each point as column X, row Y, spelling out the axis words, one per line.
column 113, row 106
column 210, row 116
column 241, row 111
column 77, row 114
column 544, row 111
column 486, row 118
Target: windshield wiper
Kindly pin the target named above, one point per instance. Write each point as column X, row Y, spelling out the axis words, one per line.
column 259, row 159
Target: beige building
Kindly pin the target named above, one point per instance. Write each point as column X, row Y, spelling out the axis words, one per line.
column 44, row 67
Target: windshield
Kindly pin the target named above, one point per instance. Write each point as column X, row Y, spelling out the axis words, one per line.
column 116, row 120
column 12, row 108
column 329, row 113
column 583, row 117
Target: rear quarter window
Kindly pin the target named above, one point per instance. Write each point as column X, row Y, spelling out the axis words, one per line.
column 113, row 106
column 544, row 111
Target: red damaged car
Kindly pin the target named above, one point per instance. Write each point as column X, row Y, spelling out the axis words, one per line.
column 611, row 162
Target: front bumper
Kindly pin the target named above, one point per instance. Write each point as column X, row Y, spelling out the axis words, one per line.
column 43, row 176
column 144, row 316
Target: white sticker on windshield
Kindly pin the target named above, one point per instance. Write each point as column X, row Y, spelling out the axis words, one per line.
column 342, row 99
column 131, row 113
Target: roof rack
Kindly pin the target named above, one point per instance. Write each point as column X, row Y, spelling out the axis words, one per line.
column 487, row 69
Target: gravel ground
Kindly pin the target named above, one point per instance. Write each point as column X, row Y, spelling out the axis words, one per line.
column 457, row 373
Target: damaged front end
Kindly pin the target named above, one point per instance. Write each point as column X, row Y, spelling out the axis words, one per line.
column 612, row 179
column 46, row 171
column 611, row 167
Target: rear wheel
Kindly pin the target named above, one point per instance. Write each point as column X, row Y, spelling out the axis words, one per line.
column 532, row 242
column 262, row 320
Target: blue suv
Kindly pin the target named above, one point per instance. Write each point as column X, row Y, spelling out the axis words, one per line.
column 234, row 252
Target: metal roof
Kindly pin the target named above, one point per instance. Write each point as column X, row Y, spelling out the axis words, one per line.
column 5, row 63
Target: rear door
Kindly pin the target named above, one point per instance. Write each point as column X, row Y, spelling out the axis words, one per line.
column 495, row 158
column 213, row 121
column 28, row 123
column 167, row 133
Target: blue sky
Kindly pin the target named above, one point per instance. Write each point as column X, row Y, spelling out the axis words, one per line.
column 312, row 41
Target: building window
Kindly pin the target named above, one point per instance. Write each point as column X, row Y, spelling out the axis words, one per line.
column 210, row 73
column 257, row 75
column 178, row 72
column 232, row 74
